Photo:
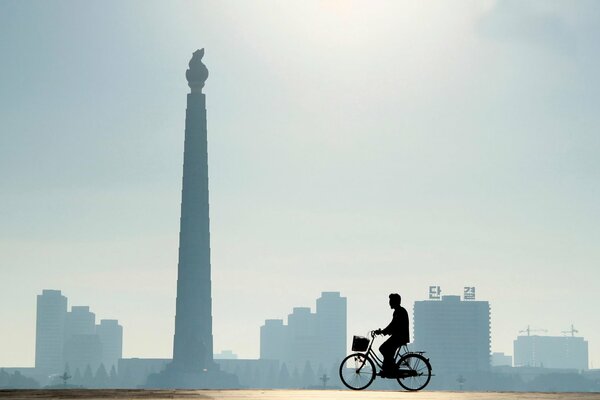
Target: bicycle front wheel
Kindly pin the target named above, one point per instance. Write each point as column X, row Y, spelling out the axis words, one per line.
column 415, row 372
column 357, row 371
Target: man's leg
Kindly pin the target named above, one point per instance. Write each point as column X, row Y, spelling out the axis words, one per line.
column 388, row 350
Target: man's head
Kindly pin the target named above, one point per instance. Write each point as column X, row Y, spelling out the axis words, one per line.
column 395, row 300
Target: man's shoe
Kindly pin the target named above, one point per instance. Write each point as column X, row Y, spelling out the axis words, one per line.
column 388, row 374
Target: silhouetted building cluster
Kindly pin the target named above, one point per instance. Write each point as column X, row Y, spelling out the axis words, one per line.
column 72, row 341
column 305, row 352
column 318, row 339
column 569, row 352
column 455, row 333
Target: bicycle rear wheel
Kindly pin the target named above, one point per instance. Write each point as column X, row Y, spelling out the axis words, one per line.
column 415, row 372
column 357, row 371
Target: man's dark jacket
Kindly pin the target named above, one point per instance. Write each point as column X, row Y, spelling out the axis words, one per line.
column 398, row 328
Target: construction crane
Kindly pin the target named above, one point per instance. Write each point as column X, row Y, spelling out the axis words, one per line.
column 572, row 331
column 529, row 330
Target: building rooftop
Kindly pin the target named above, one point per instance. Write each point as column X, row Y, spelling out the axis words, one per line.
column 51, row 292
column 111, row 322
column 272, row 322
column 80, row 308
column 301, row 310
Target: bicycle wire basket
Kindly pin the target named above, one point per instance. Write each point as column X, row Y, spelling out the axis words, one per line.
column 360, row 343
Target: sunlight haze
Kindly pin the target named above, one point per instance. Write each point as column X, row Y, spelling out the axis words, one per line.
column 354, row 146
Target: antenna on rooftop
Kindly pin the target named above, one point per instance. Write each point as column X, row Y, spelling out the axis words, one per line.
column 528, row 330
column 572, row 331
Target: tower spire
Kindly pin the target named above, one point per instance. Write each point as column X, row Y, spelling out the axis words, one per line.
column 197, row 73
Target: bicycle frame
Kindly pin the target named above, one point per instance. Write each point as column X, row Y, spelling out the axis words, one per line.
column 370, row 353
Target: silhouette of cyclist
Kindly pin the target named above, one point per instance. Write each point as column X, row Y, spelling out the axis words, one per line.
column 398, row 332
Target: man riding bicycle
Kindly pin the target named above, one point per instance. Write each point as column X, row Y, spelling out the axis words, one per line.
column 399, row 336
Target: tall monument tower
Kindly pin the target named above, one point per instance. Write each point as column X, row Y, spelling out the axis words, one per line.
column 193, row 342
column 193, row 366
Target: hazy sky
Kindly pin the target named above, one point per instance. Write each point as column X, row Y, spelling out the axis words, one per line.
column 362, row 147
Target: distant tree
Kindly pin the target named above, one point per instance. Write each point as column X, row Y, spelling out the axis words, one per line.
column 148, row 371
column 16, row 380
column 4, row 378
column 101, row 377
column 308, row 375
column 334, row 376
column 88, row 377
column 270, row 380
column 561, row 382
column 77, row 377
column 321, row 370
column 125, row 379
column 248, row 376
column 238, row 373
column 295, row 379
column 24, row 382
column 113, row 379
column 283, row 381
column 256, row 378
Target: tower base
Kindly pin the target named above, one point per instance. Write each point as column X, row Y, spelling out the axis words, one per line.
column 172, row 378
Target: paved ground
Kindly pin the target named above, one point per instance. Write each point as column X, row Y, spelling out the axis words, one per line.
column 285, row 395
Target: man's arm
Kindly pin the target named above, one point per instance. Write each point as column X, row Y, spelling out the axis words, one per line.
column 387, row 330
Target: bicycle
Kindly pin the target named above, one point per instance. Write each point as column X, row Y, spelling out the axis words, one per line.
column 357, row 371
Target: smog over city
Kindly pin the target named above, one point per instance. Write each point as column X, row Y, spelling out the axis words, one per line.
column 298, row 199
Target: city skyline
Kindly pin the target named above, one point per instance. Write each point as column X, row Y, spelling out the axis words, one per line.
column 454, row 331
column 459, row 152
column 299, row 313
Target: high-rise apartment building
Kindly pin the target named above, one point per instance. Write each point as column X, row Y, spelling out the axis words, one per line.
column 455, row 334
column 501, row 360
column 331, row 325
column 317, row 338
column 72, row 338
column 551, row 352
column 273, row 340
column 111, row 336
column 82, row 345
column 303, row 339
column 82, row 351
column 80, row 321
column 50, row 331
